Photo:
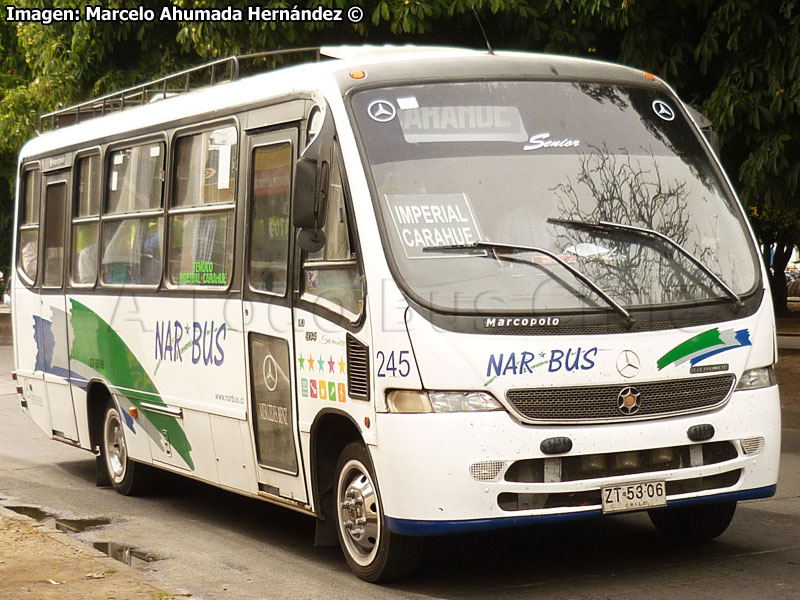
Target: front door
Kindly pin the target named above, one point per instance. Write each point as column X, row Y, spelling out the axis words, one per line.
column 51, row 327
column 26, row 301
column 268, row 315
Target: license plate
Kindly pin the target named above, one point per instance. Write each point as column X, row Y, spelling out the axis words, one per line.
column 633, row 496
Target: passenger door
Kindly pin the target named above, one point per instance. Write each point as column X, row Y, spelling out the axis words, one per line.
column 26, row 300
column 267, row 313
column 52, row 325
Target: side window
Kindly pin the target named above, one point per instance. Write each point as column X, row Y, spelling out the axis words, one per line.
column 55, row 207
column 269, row 222
column 28, row 250
column 86, row 220
column 133, row 223
column 332, row 274
column 201, row 217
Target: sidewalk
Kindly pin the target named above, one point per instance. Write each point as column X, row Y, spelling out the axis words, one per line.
column 40, row 563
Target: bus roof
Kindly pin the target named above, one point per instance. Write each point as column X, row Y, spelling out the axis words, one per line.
column 382, row 64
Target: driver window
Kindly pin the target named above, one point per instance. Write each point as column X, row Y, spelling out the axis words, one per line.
column 332, row 274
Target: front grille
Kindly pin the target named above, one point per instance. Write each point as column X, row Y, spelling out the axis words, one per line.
column 510, row 501
column 599, row 402
column 357, row 369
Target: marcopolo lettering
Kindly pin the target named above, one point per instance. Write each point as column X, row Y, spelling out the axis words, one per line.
column 521, row 322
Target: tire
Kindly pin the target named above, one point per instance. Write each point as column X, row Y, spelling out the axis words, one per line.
column 126, row 476
column 373, row 553
column 694, row 523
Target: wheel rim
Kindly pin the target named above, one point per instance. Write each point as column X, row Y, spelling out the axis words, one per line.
column 359, row 513
column 115, row 449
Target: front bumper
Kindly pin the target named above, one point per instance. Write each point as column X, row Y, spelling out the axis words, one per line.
column 423, row 464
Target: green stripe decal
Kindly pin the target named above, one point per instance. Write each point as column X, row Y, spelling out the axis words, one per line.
column 701, row 341
column 99, row 347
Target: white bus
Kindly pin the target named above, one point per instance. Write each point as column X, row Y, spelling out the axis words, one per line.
column 409, row 291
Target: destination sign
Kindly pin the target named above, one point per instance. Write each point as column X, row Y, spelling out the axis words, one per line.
column 432, row 220
column 462, row 124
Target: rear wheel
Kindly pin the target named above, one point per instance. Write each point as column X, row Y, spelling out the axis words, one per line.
column 127, row 477
column 694, row 523
column 372, row 551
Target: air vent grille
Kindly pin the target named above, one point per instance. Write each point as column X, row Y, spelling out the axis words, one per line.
column 357, row 369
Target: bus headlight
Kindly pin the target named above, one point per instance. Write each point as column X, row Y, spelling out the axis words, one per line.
column 753, row 379
column 408, row 401
column 411, row 401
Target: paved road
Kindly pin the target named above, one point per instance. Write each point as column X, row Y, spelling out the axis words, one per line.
column 218, row 545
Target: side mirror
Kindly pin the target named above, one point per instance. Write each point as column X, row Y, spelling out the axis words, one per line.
column 312, row 178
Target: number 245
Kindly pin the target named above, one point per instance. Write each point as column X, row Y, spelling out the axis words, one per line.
column 390, row 365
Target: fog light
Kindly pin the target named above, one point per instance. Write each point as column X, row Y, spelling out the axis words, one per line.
column 661, row 456
column 753, row 445
column 627, row 460
column 487, row 470
column 593, row 462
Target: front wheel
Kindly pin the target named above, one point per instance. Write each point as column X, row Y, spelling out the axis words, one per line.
column 127, row 477
column 372, row 551
column 694, row 523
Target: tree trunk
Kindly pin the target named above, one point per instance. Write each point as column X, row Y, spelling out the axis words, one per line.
column 777, row 282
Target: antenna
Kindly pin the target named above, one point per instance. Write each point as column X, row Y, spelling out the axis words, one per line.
column 485, row 37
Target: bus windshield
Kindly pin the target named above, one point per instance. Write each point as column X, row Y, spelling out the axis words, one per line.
column 536, row 164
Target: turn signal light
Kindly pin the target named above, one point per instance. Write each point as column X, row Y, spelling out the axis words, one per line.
column 133, row 411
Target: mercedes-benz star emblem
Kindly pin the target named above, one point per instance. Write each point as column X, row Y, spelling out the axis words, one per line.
column 629, row 401
column 270, row 373
column 663, row 110
column 628, row 363
column 382, row 111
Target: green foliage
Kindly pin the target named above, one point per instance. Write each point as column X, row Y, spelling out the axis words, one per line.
column 738, row 61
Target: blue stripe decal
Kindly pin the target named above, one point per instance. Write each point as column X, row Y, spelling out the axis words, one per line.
column 412, row 527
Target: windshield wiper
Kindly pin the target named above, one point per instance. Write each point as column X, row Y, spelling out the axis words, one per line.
column 459, row 248
column 643, row 232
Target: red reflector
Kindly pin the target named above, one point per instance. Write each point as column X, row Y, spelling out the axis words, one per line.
column 132, row 411
column 14, row 375
column 19, row 389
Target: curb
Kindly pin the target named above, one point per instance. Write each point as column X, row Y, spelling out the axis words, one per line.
column 788, row 341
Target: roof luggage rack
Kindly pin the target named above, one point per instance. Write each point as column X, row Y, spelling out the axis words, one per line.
column 215, row 72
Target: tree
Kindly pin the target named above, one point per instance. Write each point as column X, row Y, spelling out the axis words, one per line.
column 738, row 61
